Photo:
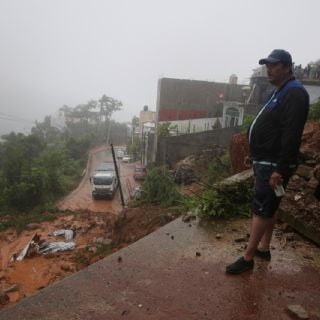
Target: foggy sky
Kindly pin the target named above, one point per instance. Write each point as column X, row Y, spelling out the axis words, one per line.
column 56, row 52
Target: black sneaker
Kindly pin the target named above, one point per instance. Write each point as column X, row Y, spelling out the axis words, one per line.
column 239, row 266
column 265, row 255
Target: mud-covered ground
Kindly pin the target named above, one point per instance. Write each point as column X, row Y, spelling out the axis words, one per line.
column 101, row 227
column 97, row 235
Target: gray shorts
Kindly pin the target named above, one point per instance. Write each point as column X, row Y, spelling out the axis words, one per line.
column 265, row 203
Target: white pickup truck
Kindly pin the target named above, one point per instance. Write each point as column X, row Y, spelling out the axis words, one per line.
column 104, row 182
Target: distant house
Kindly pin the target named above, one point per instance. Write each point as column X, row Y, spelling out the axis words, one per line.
column 261, row 87
column 147, row 119
column 192, row 105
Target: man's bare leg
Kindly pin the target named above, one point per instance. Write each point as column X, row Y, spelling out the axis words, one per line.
column 264, row 244
column 258, row 228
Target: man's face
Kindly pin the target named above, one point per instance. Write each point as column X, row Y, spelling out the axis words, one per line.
column 277, row 73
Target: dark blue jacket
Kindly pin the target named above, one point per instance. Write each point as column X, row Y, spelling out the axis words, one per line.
column 275, row 134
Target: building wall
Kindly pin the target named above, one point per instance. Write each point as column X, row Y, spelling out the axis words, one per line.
column 180, row 99
column 173, row 149
column 147, row 116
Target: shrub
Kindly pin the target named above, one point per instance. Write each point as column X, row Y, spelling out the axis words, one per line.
column 219, row 169
column 248, row 119
column 159, row 188
column 223, row 200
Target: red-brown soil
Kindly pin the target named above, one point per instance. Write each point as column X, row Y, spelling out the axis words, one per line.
column 97, row 235
column 102, row 227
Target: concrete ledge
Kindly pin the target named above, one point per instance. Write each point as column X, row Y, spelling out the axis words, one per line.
column 178, row 272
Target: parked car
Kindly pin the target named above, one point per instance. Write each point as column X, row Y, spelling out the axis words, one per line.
column 140, row 172
column 126, row 158
column 120, row 154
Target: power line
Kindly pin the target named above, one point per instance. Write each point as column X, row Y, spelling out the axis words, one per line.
column 4, row 116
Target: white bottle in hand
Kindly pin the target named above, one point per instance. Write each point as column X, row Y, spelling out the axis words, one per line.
column 279, row 190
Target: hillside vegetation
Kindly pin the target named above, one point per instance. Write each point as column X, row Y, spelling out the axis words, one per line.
column 38, row 168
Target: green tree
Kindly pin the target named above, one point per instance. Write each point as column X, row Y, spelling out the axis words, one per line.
column 247, row 122
column 67, row 111
column 135, row 121
column 46, row 132
column 134, row 148
column 82, row 112
column 38, row 168
column 163, row 129
column 21, row 184
column 78, row 147
column 108, row 106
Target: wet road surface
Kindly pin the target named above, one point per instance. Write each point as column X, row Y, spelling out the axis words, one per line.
column 81, row 199
column 178, row 272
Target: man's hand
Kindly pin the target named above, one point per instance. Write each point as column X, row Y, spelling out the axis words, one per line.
column 275, row 180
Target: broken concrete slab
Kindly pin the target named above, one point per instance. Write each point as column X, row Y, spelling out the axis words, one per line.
column 297, row 311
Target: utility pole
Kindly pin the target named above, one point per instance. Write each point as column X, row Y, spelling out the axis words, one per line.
column 146, row 138
column 117, row 173
column 142, row 146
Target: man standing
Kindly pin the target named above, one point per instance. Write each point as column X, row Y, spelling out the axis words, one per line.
column 274, row 139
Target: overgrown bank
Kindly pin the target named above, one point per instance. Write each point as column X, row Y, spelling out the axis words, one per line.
column 196, row 186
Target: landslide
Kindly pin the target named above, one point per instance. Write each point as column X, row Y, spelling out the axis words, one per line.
column 97, row 236
column 100, row 227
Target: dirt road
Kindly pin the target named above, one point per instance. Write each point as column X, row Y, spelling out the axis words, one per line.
column 80, row 199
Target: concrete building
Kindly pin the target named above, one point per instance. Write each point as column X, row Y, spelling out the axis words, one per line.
column 194, row 106
column 261, row 87
column 146, row 119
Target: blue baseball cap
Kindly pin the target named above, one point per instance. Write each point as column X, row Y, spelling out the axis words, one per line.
column 277, row 55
